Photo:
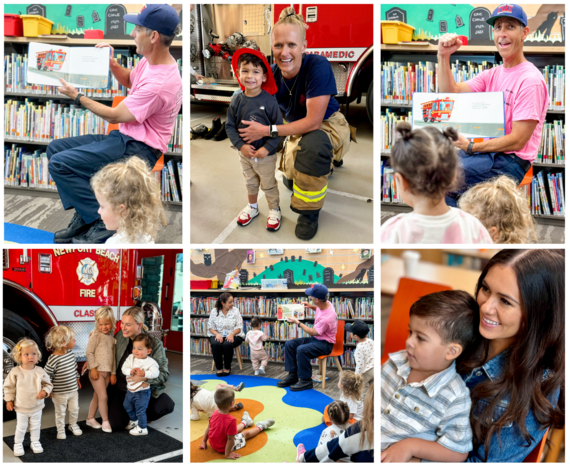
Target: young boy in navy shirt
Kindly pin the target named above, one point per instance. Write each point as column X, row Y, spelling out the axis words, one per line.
column 258, row 159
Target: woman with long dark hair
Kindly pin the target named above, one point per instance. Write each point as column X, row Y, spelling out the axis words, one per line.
column 225, row 331
column 515, row 368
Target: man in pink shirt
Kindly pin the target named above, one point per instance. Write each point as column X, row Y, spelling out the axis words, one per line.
column 146, row 120
column 300, row 352
column 526, row 102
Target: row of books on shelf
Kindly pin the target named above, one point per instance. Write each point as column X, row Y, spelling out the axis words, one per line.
column 175, row 144
column 275, row 330
column 275, row 352
column 15, row 72
column 346, row 308
column 551, row 149
column 389, row 187
column 29, row 168
column 400, row 80
column 546, row 194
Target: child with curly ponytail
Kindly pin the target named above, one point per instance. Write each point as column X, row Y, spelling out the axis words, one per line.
column 426, row 167
column 129, row 201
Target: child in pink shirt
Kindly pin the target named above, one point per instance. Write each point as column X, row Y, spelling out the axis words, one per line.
column 255, row 339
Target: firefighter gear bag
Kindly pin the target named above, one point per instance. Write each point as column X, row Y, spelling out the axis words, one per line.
column 307, row 161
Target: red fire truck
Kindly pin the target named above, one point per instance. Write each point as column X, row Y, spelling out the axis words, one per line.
column 50, row 60
column 48, row 287
column 344, row 34
column 438, row 110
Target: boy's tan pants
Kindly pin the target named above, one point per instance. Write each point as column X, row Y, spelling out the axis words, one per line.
column 261, row 173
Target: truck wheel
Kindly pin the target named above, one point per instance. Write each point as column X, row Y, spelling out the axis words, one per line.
column 432, row 120
column 369, row 102
column 425, row 119
column 15, row 328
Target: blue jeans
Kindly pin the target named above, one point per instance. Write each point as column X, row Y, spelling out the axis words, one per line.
column 482, row 166
column 73, row 161
column 136, row 404
column 300, row 352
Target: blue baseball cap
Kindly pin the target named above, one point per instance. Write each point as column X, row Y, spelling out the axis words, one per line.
column 161, row 18
column 317, row 291
column 508, row 11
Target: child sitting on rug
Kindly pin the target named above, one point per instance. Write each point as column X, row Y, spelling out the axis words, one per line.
column 202, row 400
column 255, row 339
column 339, row 415
column 101, row 362
column 224, row 435
column 130, row 201
column 62, row 369
column 25, row 389
column 350, row 385
column 138, row 394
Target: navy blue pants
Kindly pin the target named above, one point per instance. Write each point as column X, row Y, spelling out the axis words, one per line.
column 73, row 161
column 135, row 404
column 482, row 166
column 300, row 352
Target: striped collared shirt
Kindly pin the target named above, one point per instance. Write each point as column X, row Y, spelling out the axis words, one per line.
column 436, row 409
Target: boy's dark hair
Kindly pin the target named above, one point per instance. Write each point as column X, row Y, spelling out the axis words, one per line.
column 223, row 397
column 453, row 314
column 144, row 338
column 253, row 60
column 255, row 322
column 427, row 159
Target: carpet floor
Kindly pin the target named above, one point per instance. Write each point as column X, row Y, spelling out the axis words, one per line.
column 97, row 446
column 297, row 415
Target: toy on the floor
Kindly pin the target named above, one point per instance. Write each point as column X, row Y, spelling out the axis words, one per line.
column 20, row 387
column 224, row 435
column 130, row 201
column 62, row 369
column 202, row 400
column 255, row 338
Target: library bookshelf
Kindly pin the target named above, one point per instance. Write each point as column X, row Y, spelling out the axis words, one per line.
column 539, row 56
column 259, row 303
column 19, row 46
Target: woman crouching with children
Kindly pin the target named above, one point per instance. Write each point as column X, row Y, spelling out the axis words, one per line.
column 485, row 393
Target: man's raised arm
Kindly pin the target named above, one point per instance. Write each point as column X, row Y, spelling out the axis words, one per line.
column 447, row 45
column 122, row 74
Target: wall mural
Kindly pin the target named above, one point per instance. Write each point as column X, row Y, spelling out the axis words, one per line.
column 546, row 22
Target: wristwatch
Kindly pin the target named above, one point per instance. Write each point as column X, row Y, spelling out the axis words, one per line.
column 273, row 132
column 470, row 148
column 78, row 98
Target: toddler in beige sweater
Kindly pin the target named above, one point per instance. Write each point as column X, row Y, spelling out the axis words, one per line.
column 102, row 364
column 25, row 389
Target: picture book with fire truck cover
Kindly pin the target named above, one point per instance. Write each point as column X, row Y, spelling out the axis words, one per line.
column 82, row 67
column 291, row 310
column 474, row 115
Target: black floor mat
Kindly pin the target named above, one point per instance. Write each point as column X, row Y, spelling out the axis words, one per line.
column 174, row 459
column 97, row 446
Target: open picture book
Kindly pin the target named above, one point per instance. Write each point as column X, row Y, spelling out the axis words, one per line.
column 285, row 311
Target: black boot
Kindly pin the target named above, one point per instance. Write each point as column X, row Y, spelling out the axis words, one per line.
column 302, row 385
column 307, row 226
column 338, row 164
column 288, row 183
column 97, row 234
column 291, row 379
column 216, row 126
column 76, row 227
column 221, row 135
column 198, row 131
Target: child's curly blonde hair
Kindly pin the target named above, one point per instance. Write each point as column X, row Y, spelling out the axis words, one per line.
column 22, row 344
column 130, row 183
column 498, row 203
column 105, row 312
column 352, row 384
column 58, row 336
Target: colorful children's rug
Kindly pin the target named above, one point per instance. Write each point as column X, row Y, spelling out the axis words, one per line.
column 298, row 419
column 18, row 234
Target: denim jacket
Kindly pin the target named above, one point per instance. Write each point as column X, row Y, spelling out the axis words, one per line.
column 513, row 447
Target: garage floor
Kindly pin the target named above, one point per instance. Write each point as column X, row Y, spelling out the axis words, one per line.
column 170, row 424
column 218, row 191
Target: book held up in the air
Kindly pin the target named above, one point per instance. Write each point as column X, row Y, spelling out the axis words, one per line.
column 285, row 311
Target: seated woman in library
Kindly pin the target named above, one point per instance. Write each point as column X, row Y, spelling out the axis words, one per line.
column 318, row 134
column 322, row 337
column 526, row 102
column 160, row 404
column 225, row 331
column 515, row 367
column 145, row 121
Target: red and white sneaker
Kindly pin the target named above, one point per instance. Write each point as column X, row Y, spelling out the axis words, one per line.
column 246, row 215
column 274, row 220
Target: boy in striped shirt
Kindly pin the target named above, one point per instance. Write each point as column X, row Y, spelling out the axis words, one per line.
column 62, row 369
column 425, row 405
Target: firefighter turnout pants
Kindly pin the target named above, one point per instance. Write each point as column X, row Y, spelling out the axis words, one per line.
column 307, row 161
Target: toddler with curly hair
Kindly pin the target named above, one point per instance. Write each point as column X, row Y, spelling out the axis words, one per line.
column 129, row 201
